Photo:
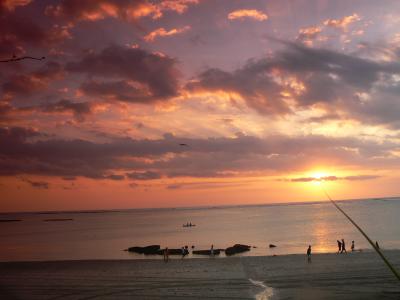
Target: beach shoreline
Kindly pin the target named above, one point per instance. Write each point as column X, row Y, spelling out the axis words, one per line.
column 329, row 276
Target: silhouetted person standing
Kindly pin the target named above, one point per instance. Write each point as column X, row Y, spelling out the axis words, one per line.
column 166, row 254
column 339, row 244
column 309, row 254
column 343, row 247
column 352, row 246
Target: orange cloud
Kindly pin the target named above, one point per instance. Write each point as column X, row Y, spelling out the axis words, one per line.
column 12, row 4
column 180, row 6
column 310, row 32
column 342, row 23
column 129, row 10
column 161, row 32
column 247, row 13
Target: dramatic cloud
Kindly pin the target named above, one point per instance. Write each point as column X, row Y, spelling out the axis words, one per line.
column 305, row 75
column 247, row 14
column 162, row 32
column 218, row 157
column 154, row 76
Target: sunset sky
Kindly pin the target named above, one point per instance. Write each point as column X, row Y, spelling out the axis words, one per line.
column 197, row 102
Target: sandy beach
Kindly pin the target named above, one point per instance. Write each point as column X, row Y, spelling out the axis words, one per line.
column 329, row 276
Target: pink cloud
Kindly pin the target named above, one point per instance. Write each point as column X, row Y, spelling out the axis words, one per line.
column 342, row 23
column 161, row 32
column 247, row 13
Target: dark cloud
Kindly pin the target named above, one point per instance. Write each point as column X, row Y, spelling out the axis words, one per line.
column 154, row 76
column 37, row 184
column 26, row 84
column 24, row 151
column 116, row 90
column 79, row 109
column 252, row 82
column 312, row 76
column 147, row 175
column 114, row 177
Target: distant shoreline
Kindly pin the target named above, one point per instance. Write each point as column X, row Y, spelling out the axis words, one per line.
column 123, row 210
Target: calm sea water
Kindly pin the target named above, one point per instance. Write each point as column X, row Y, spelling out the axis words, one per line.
column 104, row 235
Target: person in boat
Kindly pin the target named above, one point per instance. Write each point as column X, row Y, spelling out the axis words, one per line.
column 343, row 247
column 352, row 246
column 309, row 254
column 339, row 244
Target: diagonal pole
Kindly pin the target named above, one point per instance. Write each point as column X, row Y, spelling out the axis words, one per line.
column 365, row 235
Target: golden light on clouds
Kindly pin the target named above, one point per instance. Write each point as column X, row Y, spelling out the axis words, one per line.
column 247, row 13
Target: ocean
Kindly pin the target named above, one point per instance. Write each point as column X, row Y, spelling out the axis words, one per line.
column 291, row 227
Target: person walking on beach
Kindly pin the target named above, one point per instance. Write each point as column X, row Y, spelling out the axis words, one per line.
column 352, row 246
column 339, row 244
column 212, row 251
column 166, row 254
column 309, row 254
column 183, row 252
column 343, row 247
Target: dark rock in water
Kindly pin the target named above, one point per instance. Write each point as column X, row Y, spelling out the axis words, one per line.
column 237, row 248
column 206, row 252
column 170, row 252
column 272, row 245
column 153, row 249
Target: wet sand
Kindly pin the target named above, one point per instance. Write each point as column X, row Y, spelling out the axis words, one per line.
column 329, row 276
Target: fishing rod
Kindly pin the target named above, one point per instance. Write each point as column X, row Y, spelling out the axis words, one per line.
column 365, row 235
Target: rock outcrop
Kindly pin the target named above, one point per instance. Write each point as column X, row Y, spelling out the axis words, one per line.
column 152, row 249
column 206, row 252
column 237, row 248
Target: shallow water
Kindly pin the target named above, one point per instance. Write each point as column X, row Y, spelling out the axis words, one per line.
column 292, row 227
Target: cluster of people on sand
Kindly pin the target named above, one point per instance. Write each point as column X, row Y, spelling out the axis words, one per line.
column 342, row 246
